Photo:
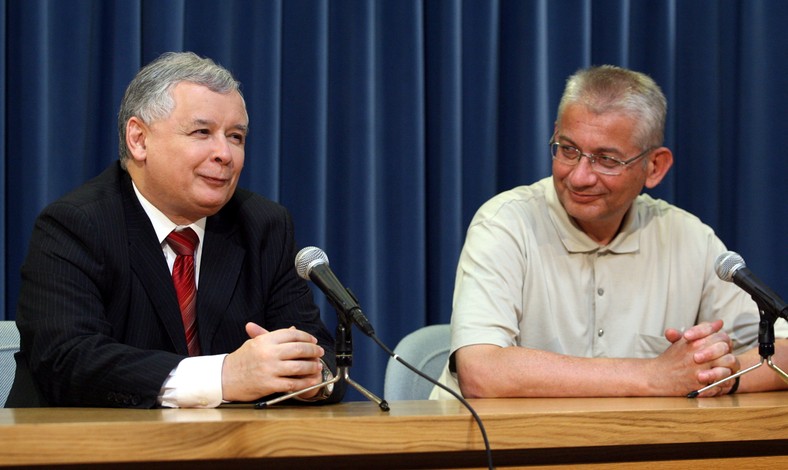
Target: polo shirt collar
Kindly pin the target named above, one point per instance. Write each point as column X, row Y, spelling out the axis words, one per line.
column 576, row 241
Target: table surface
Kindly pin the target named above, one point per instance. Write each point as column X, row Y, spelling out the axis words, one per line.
column 46, row 436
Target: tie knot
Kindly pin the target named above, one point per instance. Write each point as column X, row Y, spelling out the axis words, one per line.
column 183, row 242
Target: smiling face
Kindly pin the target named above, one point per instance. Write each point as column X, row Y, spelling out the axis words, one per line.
column 188, row 164
column 597, row 202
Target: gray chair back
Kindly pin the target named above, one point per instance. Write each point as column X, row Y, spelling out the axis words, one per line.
column 9, row 345
column 426, row 349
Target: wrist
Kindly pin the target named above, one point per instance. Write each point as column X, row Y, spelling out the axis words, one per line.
column 735, row 386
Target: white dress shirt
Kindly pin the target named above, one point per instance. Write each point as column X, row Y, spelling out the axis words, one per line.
column 197, row 381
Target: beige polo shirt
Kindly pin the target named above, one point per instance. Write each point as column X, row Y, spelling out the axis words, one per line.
column 527, row 276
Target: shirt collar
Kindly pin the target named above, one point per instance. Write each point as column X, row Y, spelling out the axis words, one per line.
column 162, row 224
column 576, row 241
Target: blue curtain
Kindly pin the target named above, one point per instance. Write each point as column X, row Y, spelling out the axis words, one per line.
column 384, row 124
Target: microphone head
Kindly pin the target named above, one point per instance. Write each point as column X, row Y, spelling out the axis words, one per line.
column 307, row 259
column 727, row 264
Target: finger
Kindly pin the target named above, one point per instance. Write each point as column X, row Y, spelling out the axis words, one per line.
column 702, row 330
column 715, row 374
column 254, row 330
column 292, row 384
column 673, row 335
column 300, row 351
column 292, row 335
column 728, row 362
column 298, row 369
column 711, row 352
column 306, row 369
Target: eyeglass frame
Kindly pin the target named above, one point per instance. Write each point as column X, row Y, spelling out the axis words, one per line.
column 554, row 145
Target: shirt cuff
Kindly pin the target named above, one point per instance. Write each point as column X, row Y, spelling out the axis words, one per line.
column 195, row 383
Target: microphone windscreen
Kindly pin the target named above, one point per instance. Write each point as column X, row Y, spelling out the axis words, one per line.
column 308, row 258
column 727, row 264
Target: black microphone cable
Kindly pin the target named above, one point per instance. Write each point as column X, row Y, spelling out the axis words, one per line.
column 487, row 449
column 311, row 264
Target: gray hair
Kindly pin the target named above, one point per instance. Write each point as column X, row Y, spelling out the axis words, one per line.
column 608, row 88
column 149, row 95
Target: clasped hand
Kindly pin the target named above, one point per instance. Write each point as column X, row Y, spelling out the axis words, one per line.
column 697, row 357
column 285, row 360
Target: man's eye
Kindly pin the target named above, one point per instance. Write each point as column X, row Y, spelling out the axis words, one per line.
column 569, row 151
column 607, row 162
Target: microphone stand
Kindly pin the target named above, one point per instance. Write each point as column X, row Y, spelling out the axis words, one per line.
column 344, row 355
column 765, row 349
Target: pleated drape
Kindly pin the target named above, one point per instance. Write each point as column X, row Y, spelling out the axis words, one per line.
column 384, row 124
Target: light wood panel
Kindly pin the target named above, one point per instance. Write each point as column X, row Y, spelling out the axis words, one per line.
column 414, row 433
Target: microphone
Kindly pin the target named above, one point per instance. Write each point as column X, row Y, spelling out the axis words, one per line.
column 311, row 264
column 731, row 267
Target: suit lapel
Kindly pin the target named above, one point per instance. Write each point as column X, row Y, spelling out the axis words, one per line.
column 148, row 264
column 220, row 267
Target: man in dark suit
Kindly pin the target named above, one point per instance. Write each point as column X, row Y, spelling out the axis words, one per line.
column 100, row 320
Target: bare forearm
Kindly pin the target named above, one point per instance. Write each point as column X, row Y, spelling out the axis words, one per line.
column 490, row 371
column 694, row 359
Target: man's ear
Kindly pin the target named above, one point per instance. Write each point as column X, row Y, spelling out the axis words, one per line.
column 136, row 133
column 659, row 162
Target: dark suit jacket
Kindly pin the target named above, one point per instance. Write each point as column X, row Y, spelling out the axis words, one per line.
column 98, row 315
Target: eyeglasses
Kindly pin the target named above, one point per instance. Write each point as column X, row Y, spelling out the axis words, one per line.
column 602, row 164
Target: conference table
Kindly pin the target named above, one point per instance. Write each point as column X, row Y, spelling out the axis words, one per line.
column 734, row 431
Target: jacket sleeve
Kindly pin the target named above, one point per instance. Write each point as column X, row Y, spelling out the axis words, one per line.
column 71, row 341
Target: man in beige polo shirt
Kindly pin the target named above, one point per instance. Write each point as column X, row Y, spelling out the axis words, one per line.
column 578, row 285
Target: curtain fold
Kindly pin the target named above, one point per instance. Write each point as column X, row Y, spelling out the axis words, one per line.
column 384, row 124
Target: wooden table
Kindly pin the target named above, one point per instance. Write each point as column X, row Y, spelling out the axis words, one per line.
column 739, row 431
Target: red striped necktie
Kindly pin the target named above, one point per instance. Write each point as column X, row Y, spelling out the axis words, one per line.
column 184, row 243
